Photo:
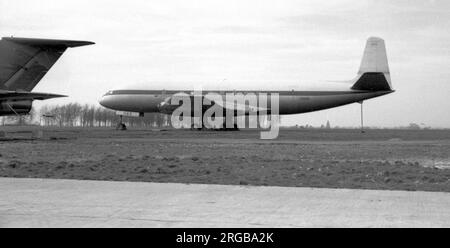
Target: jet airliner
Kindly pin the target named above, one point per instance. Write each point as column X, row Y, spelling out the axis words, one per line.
column 372, row 80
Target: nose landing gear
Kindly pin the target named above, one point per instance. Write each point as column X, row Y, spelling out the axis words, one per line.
column 121, row 125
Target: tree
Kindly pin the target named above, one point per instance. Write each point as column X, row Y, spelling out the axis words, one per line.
column 75, row 114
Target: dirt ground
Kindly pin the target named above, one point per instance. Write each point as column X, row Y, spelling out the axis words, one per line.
column 377, row 159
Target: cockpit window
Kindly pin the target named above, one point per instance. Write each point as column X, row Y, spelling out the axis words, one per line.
column 109, row 93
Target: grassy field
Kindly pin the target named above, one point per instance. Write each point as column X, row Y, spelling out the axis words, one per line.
column 377, row 159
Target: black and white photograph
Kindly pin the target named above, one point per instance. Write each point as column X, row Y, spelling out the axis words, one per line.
column 234, row 116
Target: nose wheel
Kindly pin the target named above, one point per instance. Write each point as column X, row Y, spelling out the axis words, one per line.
column 121, row 125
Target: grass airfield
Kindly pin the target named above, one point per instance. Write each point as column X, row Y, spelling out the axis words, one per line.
column 414, row 160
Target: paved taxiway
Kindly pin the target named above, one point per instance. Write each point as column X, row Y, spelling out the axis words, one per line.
column 73, row 203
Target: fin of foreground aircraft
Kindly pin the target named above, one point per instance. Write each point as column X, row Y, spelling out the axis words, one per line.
column 25, row 61
column 373, row 74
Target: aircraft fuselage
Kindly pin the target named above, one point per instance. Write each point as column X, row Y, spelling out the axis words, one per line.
column 290, row 102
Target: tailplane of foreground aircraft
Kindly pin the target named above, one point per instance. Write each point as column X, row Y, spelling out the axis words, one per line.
column 23, row 63
column 372, row 80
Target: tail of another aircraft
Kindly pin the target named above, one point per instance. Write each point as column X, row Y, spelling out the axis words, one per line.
column 25, row 61
column 373, row 74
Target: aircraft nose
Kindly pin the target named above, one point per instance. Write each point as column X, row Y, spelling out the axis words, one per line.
column 105, row 101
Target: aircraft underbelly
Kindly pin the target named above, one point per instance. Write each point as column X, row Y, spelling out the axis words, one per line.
column 304, row 104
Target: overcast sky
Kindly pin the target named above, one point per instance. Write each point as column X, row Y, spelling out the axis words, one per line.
column 240, row 44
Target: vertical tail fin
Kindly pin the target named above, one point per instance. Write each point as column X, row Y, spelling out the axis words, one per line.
column 374, row 58
column 374, row 72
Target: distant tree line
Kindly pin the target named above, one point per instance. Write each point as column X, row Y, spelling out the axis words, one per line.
column 78, row 115
column 18, row 119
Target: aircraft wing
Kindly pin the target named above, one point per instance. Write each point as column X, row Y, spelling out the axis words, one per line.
column 17, row 95
column 240, row 108
column 25, row 61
